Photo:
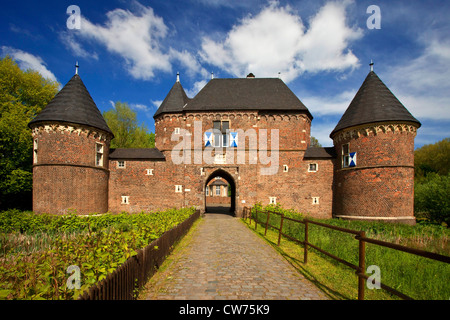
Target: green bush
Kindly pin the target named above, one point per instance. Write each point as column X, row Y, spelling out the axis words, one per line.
column 432, row 198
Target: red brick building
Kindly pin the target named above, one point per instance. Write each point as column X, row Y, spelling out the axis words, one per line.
column 254, row 133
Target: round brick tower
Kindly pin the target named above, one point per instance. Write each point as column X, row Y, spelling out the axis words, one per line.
column 71, row 147
column 374, row 169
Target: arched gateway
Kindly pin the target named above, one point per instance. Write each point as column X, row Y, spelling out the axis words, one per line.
column 232, row 189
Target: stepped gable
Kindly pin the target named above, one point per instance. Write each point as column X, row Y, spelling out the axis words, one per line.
column 261, row 94
column 373, row 102
column 174, row 101
column 73, row 104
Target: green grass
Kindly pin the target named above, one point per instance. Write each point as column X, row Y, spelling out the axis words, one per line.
column 417, row 277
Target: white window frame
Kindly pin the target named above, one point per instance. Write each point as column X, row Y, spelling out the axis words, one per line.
column 346, row 156
column 272, row 200
column 149, row 172
column 121, row 164
column 176, row 131
column 315, row 200
column 178, row 188
column 207, row 191
column 35, row 151
column 217, row 191
column 125, row 200
column 99, row 154
column 313, row 163
column 285, row 168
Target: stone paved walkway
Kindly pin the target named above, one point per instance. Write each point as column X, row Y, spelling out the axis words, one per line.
column 224, row 260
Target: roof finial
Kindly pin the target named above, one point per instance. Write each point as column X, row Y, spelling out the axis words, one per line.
column 212, row 75
column 76, row 68
column 178, row 77
column 371, row 65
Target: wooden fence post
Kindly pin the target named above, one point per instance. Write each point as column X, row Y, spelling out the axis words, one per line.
column 281, row 229
column 362, row 265
column 305, row 257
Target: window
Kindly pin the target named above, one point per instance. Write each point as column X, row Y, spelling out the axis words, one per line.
column 178, row 188
column 149, row 172
column 121, row 164
column 217, row 190
column 312, row 167
column 207, row 191
column 315, row 200
column 177, row 131
column 99, row 155
column 285, row 168
column 272, row 200
column 345, row 156
column 221, row 129
column 35, row 150
column 125, row 199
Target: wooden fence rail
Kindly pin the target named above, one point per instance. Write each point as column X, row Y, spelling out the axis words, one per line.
column 124, row 282
column 359, row 235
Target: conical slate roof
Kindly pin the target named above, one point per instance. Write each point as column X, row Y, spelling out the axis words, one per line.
column 73, row 104
column 373, row 102
column 174, row 101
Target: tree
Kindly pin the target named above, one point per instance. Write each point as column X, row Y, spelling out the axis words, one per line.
column 432, row 158
column 315, row 142
column 23, row 94
column 431, row 198
column 127, row 134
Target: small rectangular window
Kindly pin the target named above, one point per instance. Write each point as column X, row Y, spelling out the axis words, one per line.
column 125, row 199
column 345, row 155
column 99, row 155
column 217, row 190
column 149, row 172
column 177, row 131
column 178, row 188
column 35, row 150
column 315, row 200
column 285, row 168
column 207, row 191
column 121, row 164
column 272, row 200
column 312, row 167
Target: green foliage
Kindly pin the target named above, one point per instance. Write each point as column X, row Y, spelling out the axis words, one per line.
column 432, row 158
column 127, row 134
column 23, row 94
column 315, row 142
column 418, row 277
column 432, row 198
column 97, row 244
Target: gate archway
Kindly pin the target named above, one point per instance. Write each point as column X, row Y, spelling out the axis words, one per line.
column 232, row 192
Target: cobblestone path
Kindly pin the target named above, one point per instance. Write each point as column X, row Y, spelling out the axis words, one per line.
column 223, row 260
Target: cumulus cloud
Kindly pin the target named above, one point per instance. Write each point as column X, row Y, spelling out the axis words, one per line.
column 276, row 40
column 27, row 61
column 138, row 38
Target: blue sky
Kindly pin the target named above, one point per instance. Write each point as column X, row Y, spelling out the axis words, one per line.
column 130, row 51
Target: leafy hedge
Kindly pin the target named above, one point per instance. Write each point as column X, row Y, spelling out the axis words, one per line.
column 97, row 244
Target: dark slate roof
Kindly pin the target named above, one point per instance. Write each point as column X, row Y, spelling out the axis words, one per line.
column 373, row 102
column 73, row 104
column 319, row 153
column 268, row 94
column 136, row 153
column 174, row 101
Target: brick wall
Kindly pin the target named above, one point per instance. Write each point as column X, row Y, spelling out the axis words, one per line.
column 382, row 183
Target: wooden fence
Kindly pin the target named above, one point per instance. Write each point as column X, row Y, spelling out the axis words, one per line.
column 359, row 235
column 124, row 282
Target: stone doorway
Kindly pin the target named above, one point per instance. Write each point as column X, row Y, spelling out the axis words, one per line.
column 220, row 193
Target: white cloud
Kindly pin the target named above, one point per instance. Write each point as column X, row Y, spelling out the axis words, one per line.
column 27, row 61
column 332, row 105
column 138, row 38
column 198, row 85
column 422, row 84
column 276, row 40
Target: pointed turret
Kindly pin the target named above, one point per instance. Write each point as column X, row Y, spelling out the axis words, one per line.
column 373, row 102
column 175, row 100
column 73, row 104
